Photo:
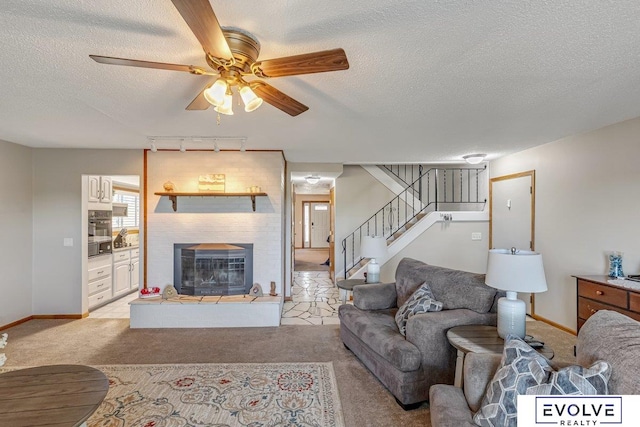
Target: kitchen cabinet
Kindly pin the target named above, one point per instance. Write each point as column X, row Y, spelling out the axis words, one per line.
column 100, row 189
column 126, row 271
column 99, row 281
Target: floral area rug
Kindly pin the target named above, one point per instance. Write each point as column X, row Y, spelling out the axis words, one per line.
column 199, row 395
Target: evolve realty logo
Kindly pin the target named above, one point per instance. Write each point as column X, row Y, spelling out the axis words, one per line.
column 570, row 411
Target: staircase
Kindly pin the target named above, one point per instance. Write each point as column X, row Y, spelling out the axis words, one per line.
column 434, row 190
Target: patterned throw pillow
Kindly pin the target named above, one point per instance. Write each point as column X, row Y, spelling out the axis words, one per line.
column 421, row 301
column 525, row 371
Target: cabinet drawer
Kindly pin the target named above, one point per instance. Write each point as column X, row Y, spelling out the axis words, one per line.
column 100, row 272
column 586, row 308
column 606, row 294
column 634, row 302
column 99, row 261
column 100, row 285
column 135, row 253
column 120, row 256
column 99, row 298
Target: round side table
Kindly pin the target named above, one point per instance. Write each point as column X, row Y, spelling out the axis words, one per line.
column 347, row 285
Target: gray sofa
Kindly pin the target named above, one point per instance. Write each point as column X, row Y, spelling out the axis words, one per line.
column 409, row 366
column 607, row 335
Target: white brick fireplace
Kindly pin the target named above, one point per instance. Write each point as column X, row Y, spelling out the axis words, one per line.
column 216, row 219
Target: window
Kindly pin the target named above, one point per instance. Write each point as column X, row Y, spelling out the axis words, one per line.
column 133, row 213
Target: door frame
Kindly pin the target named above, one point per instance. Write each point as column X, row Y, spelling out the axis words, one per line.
column 532, row 245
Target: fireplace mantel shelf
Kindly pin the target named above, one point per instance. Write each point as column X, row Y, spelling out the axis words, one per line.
column 173, row 196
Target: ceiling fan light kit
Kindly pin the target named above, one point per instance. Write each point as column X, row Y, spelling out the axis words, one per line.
column 232, row 53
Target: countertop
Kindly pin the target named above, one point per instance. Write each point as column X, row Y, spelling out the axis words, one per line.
column 126, row 248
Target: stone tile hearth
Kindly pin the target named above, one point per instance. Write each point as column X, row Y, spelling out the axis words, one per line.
column 315, row 300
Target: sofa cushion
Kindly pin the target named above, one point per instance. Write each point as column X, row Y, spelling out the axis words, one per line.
column 454, row 288
column 378, row 330
column 614, row 337
column 421, row 301
column 525, row 371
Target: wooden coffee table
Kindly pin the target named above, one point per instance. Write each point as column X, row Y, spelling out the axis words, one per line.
column 479, row 339
column 57, row 395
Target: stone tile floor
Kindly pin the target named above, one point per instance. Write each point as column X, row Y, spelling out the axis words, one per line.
column 315, row 300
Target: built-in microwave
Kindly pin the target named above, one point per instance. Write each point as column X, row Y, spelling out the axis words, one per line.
column 100, row 238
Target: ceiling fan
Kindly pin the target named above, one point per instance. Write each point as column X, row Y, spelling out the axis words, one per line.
column 232, row 54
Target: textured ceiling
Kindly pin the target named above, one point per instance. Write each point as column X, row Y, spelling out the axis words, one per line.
column 428, row 80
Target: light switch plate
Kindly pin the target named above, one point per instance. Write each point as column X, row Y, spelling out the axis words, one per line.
column 476, row 236
column 68, row 241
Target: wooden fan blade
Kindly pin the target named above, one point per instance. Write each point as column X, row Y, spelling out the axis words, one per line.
column 147, row 64
column 199, row 16
column 199, row 102
column 316, row 62
column 278, row 99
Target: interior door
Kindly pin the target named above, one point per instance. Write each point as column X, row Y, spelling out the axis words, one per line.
column 320, row 227
column 512, row 218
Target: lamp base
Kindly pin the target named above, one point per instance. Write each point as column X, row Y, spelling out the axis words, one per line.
column 373, row 271
column 511, row 316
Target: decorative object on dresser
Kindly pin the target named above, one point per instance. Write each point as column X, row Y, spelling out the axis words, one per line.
column 373, row 247
column 603, row 293
column 615, row 264
column 514, row 271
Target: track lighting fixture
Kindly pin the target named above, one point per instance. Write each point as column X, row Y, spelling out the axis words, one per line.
column 153, row 146
column 182, row 147
column 242, row 147
column 215, row 147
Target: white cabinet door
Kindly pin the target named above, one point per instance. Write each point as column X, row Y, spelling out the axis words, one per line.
column 121, row 272
column 94, row 188
column 106, row 195
column 135, row 273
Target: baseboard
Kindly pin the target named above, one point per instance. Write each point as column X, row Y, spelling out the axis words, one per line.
column 60, row 316
column 16, row 323
column 554, row 324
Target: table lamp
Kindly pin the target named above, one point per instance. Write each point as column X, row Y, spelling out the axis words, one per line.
column 514, row 271
column 373, row 247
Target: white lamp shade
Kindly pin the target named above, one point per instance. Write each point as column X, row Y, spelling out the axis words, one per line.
column 250, row 99
column 215, row 95
column 227, row 106
column 521, row 271
column 373, row 247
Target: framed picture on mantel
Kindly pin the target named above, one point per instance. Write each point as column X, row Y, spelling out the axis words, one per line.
column 212, row 182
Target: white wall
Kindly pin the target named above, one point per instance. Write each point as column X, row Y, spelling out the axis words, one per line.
column 358, row 196
column 16, row 247
column 587, row 203
column 446, row 244
column 216, row 220
column 57, row 213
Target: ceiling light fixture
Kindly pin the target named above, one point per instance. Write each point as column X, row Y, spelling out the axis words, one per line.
column 215, row 147
column 250, row 99
column 312, row 179
column 242, row 147
column 153, row 146
column 215, row 94
column 227, row 106
column 474, row 159
column 182, row 147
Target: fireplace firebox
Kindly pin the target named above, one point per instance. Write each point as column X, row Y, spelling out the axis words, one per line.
column 213, row 268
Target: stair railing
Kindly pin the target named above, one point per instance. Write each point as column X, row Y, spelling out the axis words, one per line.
column 435, row 189
column 405, row 173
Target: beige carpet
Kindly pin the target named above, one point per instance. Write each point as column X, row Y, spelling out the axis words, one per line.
column 311, row 259
column 208, row 395
column 365, row 401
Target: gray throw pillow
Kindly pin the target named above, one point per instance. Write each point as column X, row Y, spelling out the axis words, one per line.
column 421, row 301
column 525, row 371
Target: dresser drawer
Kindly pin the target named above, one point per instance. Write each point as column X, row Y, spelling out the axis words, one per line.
column 606, row 294
column 99, row 285
column 634, row 302
column 587, row 308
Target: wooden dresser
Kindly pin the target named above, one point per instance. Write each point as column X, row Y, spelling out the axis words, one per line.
column 596, row 293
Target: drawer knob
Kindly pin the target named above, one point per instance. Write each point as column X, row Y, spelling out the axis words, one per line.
column 599, row 293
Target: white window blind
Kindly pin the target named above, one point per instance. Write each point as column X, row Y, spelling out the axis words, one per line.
column 133, row 212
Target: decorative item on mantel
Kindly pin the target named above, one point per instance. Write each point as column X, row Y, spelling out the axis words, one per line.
column 150, row 292
column 3, row 343
column 273, row 289
column 169, row 292
column 168, row 186
column 256, row 290
column 212, row 182
column 615, row 264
